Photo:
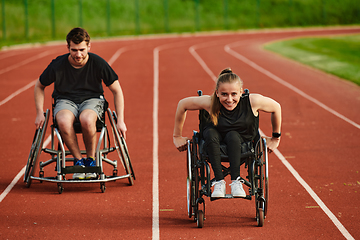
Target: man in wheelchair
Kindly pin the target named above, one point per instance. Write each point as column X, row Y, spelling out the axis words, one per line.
column 233, row 120
column 78, row 96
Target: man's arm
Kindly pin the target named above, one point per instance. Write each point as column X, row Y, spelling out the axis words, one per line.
column 115, row 88
column 39, row 95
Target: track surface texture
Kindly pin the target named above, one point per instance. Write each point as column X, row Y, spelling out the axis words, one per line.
column 314, row 176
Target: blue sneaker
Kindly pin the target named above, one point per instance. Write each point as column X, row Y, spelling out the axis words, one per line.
column 79, row 162
column 90, row 162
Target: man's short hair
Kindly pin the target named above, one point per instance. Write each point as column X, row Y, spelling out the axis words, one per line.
column 78, row 35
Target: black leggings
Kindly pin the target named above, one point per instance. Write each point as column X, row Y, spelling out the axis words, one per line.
column 233, row 142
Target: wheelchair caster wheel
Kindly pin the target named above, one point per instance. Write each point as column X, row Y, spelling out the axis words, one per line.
column 200, row 219
column 260, row 217
column 60, row 188
column 102, row 187
column 41, row 175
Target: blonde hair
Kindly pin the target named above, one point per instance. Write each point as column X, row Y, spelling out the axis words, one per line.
column 226, row 76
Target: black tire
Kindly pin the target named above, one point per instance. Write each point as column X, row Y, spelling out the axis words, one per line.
column 200, row 219
column 60, row 188
column 121, row 148
column 265, row 177
column 260, row 217
column 190, row 182
column 261, row 183
column 102, row 187
column 34, row 152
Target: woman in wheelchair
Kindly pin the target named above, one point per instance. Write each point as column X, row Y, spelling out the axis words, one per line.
column 234, row 119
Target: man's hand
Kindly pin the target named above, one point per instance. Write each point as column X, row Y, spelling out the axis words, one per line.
column 39, row 121
column 121, row 127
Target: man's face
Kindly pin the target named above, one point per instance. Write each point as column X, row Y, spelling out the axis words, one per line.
column 78, row 53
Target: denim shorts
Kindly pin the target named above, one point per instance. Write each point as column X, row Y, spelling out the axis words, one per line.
column 95, row 104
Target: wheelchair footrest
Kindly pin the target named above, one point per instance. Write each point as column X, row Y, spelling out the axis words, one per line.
column 229, row 196
column 80, row 169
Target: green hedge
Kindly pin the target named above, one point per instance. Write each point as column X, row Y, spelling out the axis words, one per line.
column 43, row 20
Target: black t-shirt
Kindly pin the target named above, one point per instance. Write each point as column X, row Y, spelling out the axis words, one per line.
column 240, row 119
column 80, row 84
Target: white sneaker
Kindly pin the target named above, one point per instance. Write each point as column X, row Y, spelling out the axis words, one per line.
column 91, row 176
column 79, row 176
column 219, row 189
column 237, row 188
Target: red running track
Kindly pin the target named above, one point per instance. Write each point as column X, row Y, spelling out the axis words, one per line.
column 314, row 177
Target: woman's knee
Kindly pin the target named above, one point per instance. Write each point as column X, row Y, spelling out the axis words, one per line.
column 233, row 137
column 211, row 135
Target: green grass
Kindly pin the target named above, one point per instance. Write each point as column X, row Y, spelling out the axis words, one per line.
column 135, row 17
column 338, row 55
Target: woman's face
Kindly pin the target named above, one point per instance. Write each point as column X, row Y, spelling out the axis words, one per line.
column 229, row 94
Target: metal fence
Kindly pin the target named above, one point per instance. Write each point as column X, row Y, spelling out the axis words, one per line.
column 34, row 19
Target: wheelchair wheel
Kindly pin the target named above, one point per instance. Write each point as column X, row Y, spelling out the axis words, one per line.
column 121, row 148
column 190, row 181
column 200, row 219
column 35, row 151
column 60, row 188
column 260, row 181
column 266, row 176
column 102, row 187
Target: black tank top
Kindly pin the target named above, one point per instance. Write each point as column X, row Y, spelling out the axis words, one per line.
column 240, row 119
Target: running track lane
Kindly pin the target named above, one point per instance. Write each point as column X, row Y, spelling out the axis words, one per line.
column 171, row 76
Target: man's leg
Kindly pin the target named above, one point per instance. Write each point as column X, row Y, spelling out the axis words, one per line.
column 65, row 121
column 88, row 120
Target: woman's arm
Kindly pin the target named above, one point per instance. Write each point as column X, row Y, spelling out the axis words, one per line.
column 265, row 104
column 190, row 103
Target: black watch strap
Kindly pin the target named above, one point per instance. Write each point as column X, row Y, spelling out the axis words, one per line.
column 276, row 135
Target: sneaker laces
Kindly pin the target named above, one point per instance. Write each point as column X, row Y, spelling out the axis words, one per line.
column 217, row 184
column 237, row 183
column 90, row 162
column 79, row 162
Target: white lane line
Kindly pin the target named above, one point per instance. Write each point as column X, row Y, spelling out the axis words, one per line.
column 322, row 205
column 18, row 176
column 193, row 52
column 155, row 186
column 41, row 55
column 11, row 96
column 12, row 184
column 286, row 84
column 297, row 176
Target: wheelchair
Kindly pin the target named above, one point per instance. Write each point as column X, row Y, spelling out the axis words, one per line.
column 116, row 147
column 255, row 157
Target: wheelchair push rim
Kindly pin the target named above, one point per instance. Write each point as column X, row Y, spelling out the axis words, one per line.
column 35, row 150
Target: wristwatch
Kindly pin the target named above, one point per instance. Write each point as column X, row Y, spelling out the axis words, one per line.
column 276, row 135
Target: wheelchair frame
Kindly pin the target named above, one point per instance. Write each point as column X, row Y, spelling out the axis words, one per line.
column 59, row 156
column 199, row 181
